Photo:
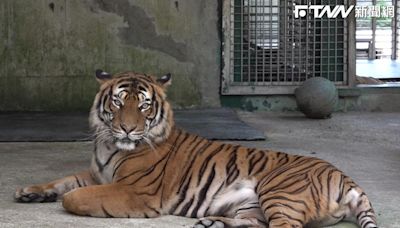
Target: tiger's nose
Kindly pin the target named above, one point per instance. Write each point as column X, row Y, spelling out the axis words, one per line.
column 127, row 129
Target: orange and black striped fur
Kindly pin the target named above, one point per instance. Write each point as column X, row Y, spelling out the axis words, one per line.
column 143, row 166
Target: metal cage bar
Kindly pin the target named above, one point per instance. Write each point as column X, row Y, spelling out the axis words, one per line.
column 397, row 28
column 266, row 50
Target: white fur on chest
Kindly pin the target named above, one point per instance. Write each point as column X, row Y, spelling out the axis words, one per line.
column 102, row 163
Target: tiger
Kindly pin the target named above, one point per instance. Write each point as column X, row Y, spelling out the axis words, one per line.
column 144, row 166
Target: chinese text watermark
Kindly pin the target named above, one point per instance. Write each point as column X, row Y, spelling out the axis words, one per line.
column 319, row 11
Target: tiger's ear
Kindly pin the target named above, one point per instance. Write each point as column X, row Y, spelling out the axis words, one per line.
column 102, row 76
column 165, row 80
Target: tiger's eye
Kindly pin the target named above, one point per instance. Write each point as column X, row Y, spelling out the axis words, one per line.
column 117, row 103
column 145, row 106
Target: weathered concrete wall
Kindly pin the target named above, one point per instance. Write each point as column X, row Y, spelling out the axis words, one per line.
column 50, row 48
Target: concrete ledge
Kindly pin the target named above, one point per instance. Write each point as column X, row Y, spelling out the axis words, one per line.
column 349, row 92
column 369, row 99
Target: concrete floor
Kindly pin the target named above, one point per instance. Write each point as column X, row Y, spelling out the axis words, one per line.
column 364, row 145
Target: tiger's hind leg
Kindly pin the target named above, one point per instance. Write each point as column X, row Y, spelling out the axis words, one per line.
column 284, row 208
column 287, row 201
column 248, row 215
column 322, row 197
column 224, row 222
column 283, row 216
column 348, row 203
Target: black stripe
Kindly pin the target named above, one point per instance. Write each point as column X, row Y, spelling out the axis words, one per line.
column 203, row 192
column 282, row 171
column 207, row 161
column 315, row 199
column 262, row 166
column 247, row 208
column 182, row 196
column 283, row 198
column 185, row 175
column 319, row 177
column 98, row 163
column 152, row 209
column 328, row 194
column 127, row 176
column 288, row 168
column 195, row 153
column 283, row 159
column 161, row 110
column 250, row 151
column 288, row 182
column 162, row 173
column 186, row 207
column 106, row 213
column 102, row 103
column 152, row 168
column 102, row 166
column 340, row 189
column 280, row 215
column 156, row 111
column 285, row 205
column 368, row 223
column 126, row 85
column 126, row 158
column 77, row 181
column 215, row 194
column 231, row 168
column 109, row 158
column 253, row 163
column 360, row 213
column 99, row 102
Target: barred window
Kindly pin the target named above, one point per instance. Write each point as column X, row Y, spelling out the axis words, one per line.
column 268, row 50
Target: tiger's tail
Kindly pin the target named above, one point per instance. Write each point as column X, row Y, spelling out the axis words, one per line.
column 361, row 208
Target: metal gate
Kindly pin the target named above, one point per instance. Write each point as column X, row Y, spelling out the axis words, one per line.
column 269, row 51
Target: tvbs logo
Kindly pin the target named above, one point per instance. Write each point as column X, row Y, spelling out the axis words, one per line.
column 321, row 10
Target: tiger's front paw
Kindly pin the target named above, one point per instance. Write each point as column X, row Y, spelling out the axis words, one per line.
column 35, row 194
column 209, row 223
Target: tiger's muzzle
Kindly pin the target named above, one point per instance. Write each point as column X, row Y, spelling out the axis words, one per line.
column 126, row 141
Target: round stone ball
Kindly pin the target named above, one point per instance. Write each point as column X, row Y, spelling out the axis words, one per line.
column 317, row 98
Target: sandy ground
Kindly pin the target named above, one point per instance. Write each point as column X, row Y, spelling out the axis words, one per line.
column 364, row 145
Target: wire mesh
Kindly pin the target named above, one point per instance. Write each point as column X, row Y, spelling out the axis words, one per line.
column 397, row 24
column 269, row 46
column 384, row 32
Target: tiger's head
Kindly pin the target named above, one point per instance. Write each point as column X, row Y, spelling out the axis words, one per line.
column 130, row 109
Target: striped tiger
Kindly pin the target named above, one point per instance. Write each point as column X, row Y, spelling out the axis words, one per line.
column 143, row 166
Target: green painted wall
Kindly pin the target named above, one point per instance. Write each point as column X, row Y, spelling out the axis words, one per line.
column 50, row 49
